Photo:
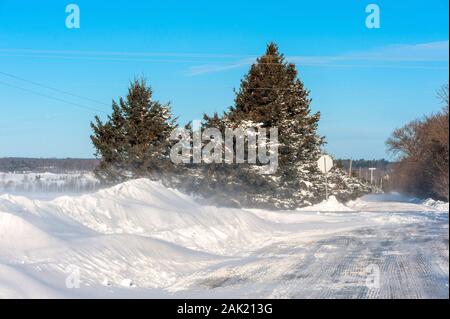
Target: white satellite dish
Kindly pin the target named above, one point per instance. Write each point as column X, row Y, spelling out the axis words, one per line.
column 325, row 163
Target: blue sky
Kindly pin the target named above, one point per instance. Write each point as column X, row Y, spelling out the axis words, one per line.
column 365, row 82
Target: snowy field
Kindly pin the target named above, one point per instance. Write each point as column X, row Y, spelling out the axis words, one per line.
column 47, row 185
column 142, row 240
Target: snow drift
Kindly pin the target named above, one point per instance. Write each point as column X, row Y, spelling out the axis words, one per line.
column 436, row 204
column 157, row 241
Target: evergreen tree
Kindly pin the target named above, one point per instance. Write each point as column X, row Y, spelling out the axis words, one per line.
column 134, row 141
column 272, row 94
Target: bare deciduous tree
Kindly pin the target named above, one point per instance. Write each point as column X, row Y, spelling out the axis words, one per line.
column 422, row 149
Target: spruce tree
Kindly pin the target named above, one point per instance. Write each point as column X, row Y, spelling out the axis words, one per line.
column 272, row 94
column 134, row 141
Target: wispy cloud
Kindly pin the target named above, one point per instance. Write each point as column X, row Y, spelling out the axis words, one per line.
column 422, row 55
column 393, row 56
column 218, row 67
column 423, row 52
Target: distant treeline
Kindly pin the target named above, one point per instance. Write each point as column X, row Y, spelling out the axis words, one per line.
column 360, row 168
column 51, row 165
column 363, row 163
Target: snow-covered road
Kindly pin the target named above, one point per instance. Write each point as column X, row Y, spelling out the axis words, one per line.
column 142, row 240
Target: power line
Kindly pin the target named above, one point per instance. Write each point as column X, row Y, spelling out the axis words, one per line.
column 52, row 88
column 126, row 53
column 52, row 97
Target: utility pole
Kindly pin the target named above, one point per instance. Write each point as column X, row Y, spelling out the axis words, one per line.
column 371, row 169
column 326, row 185
column 350, row 169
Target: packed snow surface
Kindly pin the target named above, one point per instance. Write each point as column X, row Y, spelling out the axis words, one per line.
column 141, row 239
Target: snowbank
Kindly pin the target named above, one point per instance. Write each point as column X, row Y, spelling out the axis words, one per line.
column 395, row 202
column 16, row 233
column 145, row 208
column 330, row 205
column 436, row 204
column 142, row 235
